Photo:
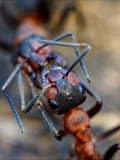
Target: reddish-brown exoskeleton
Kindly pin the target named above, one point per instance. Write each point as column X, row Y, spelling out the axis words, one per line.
column 32, row 55
column 64, row 98
column 77, row 123
column 63, row 91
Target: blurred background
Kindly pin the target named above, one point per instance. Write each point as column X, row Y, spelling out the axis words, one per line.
column 93, row 22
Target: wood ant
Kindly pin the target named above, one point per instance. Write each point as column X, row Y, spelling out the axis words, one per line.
column 63, row 91
column 32, row 62
column 31, row 54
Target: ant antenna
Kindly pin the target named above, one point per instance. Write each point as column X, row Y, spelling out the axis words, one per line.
column 84, row 52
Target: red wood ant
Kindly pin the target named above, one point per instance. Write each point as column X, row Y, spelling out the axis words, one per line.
column 62, row 89
column 31, row 58
column 32, row 55
column 64, row 92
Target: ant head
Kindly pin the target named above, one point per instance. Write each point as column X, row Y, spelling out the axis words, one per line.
column 67, row 96
column 67, row 93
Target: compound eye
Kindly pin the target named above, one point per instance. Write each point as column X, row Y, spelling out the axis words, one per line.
column 81, row 89
column 53, row 103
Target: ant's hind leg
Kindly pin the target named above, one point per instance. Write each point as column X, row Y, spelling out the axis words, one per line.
column 111, row 151
column 57, row 133
column 91, row 112
column 106, row 134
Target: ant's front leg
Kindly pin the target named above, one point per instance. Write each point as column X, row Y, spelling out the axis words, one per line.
column 106, row 134
column 98, row 104
column 59, row 134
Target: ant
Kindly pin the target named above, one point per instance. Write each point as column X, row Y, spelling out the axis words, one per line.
column 31, row 55
column 63, row 91
column 34, row 62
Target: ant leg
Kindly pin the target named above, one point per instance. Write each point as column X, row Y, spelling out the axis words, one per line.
column 12, row 75
column 15, row 114
column 111, row 151
column 34, row 100
column 98, row 104
column 83, row 54
column 76, row 51
column 30, row 71
column 65, row 44
column 57, row 133
column 32, row 88
column 105, row 134
column 21, row 89
column 73, row 44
